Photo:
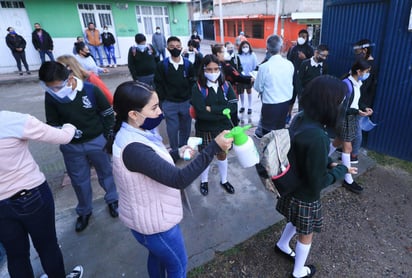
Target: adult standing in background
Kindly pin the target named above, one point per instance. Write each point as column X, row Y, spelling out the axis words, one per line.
column 159, row 43
column 108, row 45
column 17, row 44
column 26, row 201
column 274, row 81
column 297, row 54
column 94, row 41
column 42, row 42
column 141, row 60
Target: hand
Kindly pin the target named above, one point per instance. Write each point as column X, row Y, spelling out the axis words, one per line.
column 301, row 55
column 353, row 170
column 190, row 152
column 363, row 113
column 208, row 108
column 105, row 70
column 369, row 111
column 223, row 142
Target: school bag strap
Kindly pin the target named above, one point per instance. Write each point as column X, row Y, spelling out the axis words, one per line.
column 186, row 65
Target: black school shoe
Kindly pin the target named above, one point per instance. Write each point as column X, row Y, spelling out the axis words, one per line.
column 354, row 187
column 82, row 222
column 113, row 209
column 228, row 187
column 204, row 189
column 290, row 257
column 310, row 274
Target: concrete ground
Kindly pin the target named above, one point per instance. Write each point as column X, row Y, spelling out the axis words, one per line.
column 106, row 248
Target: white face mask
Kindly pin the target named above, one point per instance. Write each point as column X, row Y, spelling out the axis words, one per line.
column 301, row 40
column 212, row 76
column 158, row 31
column 226, row 56
column 245, row 49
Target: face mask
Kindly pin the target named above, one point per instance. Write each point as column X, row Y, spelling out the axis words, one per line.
column 364, row 77
column 245, row 49
column 151, row 123
column 321, row 60
column 87, row 54
column 230, row 51
column 175, row 52
column 301, row 40
column 12, row 33
column 212, row 76
column 158, row 31
column 360, row 55
column 195, row 33
column 226, row 56
column 141, row 47
column 61, row 95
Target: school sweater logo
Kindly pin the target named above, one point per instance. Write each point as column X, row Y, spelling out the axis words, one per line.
column 86, row 102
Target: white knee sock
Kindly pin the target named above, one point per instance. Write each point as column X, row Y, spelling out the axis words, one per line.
column 285, row 238
column 346, row 162
column 332, row 149
column 302, row 252
column 242, row 100
column 249, row 99
column 204, row 176
column 222, row 165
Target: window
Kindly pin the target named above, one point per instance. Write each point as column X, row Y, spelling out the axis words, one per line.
column 254, row 29
column 12, row 4
column 149, row 17
column 99, row 14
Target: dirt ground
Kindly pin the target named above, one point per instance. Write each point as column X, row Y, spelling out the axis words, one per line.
column 367, row 235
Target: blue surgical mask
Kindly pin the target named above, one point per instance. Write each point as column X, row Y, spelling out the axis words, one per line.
column 364, row 77
column 151, row 123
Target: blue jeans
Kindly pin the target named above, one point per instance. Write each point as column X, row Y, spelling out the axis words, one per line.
column 31, row 214
column 178, row 122
column 77, row 158
column 96, row 50
column 109, row 50
column 167, row 253
column 43, row 55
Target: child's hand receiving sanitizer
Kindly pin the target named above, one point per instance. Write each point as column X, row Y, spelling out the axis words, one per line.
column 192, row 142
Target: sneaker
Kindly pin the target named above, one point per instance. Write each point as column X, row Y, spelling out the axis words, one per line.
column 21, row 73
column 77, row 272
column 249, row 111
column 28, row 72
column 354, row 187
column 241, row 110
column 115, row 66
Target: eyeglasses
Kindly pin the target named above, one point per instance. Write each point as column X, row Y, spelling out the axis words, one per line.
column 211, row 70
column 54, row 88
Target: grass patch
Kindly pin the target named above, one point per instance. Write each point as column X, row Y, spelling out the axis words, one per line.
column 386, row 160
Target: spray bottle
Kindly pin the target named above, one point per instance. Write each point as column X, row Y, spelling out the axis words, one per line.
column 192, row 142
column 243, row 145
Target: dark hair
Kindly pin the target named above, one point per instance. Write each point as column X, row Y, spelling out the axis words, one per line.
column 242, row 44
column 53, row 71
column 361, row 65
column 139, row 38
column 322, row 99
column 8, row 28
column 173, row 39
column 322, row 47
column 303, row 31
column 363, row 42
column 209, row 58
column 79, row 46
column 216, row 48
column 88, row 24
column 130, row 95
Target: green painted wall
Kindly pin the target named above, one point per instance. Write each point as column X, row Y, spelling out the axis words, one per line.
column 61, row 18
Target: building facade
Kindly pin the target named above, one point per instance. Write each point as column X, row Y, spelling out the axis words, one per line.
column 65, row 20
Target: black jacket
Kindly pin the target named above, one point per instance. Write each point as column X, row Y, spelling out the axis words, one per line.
column 47, row 43
column 108, row 39
column 14, row 42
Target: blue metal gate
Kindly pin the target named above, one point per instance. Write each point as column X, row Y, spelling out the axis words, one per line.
column 386, row 24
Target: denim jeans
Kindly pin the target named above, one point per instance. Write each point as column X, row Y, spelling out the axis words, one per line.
column 109, row 50
column 30, row 215
column 178, row 122
column 167, row 253
column 20, row 57
column 77, row 158
column 96, row 50
column 43, row 55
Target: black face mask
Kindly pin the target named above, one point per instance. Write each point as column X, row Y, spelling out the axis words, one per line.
column 321, row 60
column 175, row 52
column 87, row 54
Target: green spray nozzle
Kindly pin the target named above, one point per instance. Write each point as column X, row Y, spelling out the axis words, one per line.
column 226, row 112
column 238, row 133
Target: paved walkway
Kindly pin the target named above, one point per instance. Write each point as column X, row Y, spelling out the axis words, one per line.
column 215, row 223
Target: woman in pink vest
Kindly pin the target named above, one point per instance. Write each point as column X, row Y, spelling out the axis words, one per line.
column 150, row 187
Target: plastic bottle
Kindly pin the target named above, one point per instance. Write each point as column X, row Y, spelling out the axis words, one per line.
column 244, row 146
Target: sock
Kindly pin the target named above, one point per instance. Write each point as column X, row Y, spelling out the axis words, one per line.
column 346, row 162
column 222, row 165
column 204, row 176
column 285, row 238
column 249, row 99
column 302, row 252
column 242, row 100
column 332, row 149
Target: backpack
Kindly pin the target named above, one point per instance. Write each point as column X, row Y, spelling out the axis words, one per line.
column 205, row 91
column 277, row 164
column 186, row 65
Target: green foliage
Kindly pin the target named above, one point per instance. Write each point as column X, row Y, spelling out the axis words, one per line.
column 386, row 160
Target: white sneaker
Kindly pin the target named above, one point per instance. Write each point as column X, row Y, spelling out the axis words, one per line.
column 77, row 272
column 115, row 66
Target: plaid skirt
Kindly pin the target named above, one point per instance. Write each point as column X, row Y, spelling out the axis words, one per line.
column 242, row 87
column 348, row 129
column 207, row 137
column 306, row 217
